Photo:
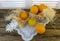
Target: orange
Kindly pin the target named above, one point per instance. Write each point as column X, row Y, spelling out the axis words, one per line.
column 40, row 28
column 32, row 21
column 34, row 9
column 42, row 7
column 24, row 15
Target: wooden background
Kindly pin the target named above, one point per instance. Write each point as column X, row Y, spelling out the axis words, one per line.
column 52, row 32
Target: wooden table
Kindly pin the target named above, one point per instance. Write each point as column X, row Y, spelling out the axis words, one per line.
column 52, row 32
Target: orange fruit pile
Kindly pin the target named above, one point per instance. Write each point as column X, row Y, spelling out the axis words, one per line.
column 40, row 28
column 24, row 15
column 37, row 8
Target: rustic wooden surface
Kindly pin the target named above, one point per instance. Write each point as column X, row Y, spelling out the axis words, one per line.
column 52, row 32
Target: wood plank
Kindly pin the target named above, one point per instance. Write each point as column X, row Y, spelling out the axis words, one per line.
column 54, row 25
column 39, row 38
column 3, row 23
column 10, row 38
column 57, row 11
column 50, row 35
column 48, row 26
column 5, row 12
column 49, row 32
column 36, row 38
column 52, row 32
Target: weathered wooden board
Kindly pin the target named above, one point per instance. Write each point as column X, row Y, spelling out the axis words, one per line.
column 49, row 32
column 52, row 32
column 54, row 25
column 36, row 38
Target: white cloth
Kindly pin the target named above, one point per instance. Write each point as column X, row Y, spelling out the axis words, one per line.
column 27, row 32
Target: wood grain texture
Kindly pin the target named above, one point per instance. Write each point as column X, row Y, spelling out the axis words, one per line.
column 52, row 33
column 49, row 32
